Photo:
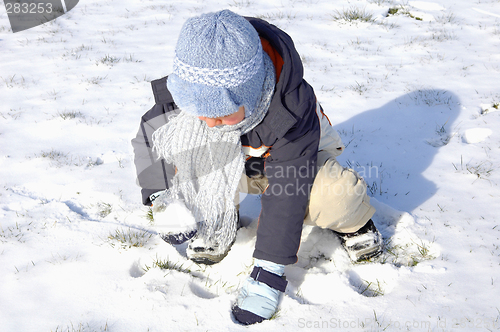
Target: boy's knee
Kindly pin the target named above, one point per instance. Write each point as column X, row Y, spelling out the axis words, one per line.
column 333, row 179
column 338, row 198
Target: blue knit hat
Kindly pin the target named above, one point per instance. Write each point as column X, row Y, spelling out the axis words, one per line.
column 218, row 66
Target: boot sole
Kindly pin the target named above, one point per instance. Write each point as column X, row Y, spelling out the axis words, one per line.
column 364, row 254
column 206, row 259
column 363, row 250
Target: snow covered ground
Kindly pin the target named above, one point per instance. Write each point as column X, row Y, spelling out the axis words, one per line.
column 411, row 86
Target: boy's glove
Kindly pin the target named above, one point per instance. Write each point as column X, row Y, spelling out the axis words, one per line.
column 259, row 296
column 172, row 219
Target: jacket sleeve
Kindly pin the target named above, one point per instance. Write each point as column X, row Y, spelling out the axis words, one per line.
column 290, row 169
column 153, row 174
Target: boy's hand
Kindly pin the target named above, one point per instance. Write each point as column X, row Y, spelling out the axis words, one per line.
column 172, row 220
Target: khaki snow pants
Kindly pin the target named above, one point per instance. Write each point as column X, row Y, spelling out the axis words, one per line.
column 338, row 198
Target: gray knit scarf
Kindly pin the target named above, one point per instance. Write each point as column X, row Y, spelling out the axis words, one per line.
column 209, row 164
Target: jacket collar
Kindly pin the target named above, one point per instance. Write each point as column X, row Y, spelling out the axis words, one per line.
column 281, row 119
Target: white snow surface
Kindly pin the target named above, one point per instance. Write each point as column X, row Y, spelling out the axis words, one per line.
column 77, row 252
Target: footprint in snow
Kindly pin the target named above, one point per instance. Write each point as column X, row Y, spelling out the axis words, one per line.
column 372, row 280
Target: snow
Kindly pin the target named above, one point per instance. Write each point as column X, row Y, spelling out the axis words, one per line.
column 476, row 135
column 174, row 218
column 425, row 5
column 414, row 96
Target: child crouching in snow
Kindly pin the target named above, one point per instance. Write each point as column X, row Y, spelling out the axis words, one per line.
column 235, row 116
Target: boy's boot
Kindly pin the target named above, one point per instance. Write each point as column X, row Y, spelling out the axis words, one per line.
column 206, row 252
column 363, row 244
column 259, row 295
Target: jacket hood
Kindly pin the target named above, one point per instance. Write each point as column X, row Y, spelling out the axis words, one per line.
column 292, row 72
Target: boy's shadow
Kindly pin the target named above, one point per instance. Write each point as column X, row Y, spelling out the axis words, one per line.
column 392, row 147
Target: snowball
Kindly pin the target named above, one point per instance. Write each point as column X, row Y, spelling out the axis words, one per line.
column 175, row 218
column 476, row 135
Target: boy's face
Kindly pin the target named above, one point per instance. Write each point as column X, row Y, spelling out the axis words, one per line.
column 229, row 120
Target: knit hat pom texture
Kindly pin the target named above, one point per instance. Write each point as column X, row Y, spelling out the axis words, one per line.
column 218, row 67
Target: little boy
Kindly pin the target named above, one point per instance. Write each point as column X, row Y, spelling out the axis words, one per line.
column 235, row 116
